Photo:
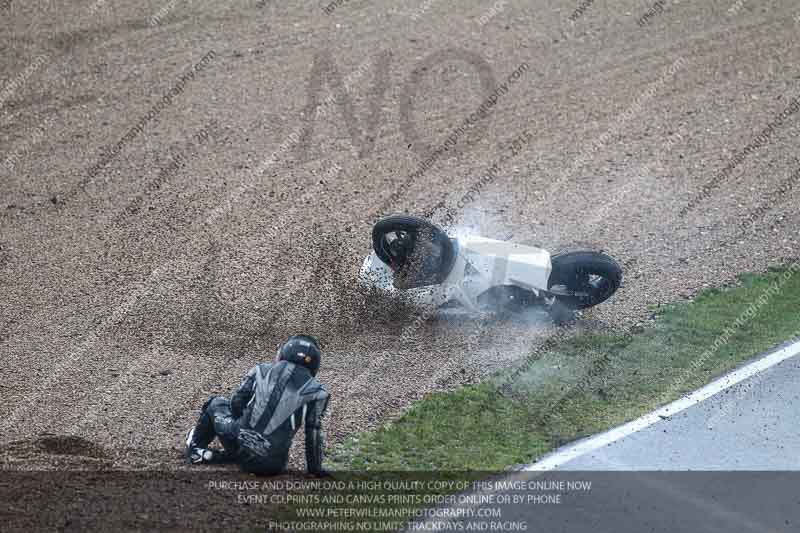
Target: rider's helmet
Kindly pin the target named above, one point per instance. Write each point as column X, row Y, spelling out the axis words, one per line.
column 303, row 350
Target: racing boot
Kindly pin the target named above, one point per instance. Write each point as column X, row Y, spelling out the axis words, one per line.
column 196, row 455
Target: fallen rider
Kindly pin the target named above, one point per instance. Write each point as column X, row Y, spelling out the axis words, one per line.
column 257, row 425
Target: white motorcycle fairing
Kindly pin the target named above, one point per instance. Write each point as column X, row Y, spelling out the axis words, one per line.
column 480, row 264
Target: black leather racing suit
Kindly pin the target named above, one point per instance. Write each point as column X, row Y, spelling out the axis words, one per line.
column 257, row 426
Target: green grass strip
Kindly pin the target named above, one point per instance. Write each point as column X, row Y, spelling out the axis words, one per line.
column 585, row 384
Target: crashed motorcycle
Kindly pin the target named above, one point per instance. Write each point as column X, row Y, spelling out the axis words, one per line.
column 416, row 259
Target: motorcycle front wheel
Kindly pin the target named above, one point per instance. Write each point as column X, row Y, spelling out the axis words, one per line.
column 583, row 279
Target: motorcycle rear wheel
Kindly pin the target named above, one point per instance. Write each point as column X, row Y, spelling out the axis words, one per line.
column 583, row 279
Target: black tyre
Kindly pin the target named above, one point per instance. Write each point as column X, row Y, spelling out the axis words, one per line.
column 583, row 279
column 418, row 229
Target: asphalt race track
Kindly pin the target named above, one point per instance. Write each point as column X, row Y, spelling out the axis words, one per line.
column 185, row 184
column 725, row 463
column 750, row 426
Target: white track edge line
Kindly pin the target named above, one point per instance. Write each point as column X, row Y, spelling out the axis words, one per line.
column 558, row 457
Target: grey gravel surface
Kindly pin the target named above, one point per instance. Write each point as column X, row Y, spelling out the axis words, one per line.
column 129, row 296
